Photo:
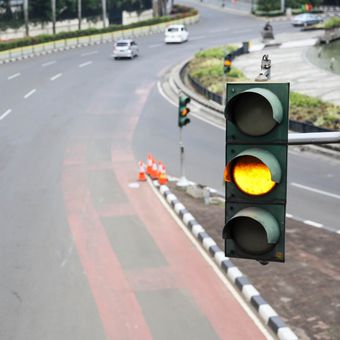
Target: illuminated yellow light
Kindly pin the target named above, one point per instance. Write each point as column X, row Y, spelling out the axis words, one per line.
column 184, row 112
column 252, row 176
column 227, row 62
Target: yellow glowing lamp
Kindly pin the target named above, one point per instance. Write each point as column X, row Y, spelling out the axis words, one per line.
column 185, row 111
column 254, row 171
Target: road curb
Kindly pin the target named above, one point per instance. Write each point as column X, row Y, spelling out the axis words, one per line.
column 218, row 109
column 104, row 39
column 266, row 313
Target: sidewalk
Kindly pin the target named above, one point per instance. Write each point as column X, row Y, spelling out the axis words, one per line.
column 289, row 63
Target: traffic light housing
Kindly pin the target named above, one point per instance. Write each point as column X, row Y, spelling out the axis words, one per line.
column 227, row 63
column 256, row 170
column 183, row 111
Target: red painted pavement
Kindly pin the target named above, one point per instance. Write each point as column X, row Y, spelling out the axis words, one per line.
column 113, row 289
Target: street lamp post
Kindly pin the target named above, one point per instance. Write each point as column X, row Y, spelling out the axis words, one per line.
column 26, row 17
column 53, row 4
column 104, row 12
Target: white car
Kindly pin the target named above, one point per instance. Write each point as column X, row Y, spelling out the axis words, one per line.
column 126, row 48
column 176, row 34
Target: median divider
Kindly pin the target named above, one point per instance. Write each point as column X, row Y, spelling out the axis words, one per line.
column 250, row 294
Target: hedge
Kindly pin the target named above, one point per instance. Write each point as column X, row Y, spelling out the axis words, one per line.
column 43, row 38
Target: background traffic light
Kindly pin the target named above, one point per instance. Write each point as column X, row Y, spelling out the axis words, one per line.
column 227, row 63
column 183, row 111
column 256, row 170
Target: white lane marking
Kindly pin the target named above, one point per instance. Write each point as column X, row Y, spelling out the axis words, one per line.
column 289, row 215
column 29, row 93
column 198, row 37
column 160, row 90
column 313, row 224
column 49, row 63
column 56, row 76
column 338, row 231
column 5, row 114
column 85, row 64
column 89, row 53
column 315, row 190
column 155, row 45
column 14, row 76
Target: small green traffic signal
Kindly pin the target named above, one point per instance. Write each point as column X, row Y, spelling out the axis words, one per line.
column 183, row 111
column 227, row 63
column 256, row 170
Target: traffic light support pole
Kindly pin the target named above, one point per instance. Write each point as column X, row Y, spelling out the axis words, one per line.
column 313, row 138
column 183, row 182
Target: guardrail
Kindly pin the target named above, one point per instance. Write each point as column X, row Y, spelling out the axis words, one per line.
column 64, row 44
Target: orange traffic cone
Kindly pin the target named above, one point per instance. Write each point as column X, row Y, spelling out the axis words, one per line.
column 160, row 166
column 162, row 179
column 149, row 162
column 154, row 170
column 141, row 175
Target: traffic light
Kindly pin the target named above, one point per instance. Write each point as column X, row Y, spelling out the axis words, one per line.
column 183, row 111
column 227, row 63
column 256, row 170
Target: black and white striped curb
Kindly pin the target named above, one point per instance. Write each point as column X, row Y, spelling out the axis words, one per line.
column 252, row 296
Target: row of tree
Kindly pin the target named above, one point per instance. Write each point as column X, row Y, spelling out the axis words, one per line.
column 52, row 10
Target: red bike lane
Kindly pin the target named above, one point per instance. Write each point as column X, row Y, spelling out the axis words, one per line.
column 147, row 278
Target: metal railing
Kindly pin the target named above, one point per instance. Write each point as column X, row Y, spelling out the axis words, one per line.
column 294, row 125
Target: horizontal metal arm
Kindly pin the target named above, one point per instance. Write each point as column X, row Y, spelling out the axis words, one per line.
column 313, row 138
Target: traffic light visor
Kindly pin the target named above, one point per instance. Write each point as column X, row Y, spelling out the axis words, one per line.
column 254, row 171
column 255, row 111
column 183, row 100
column 254, row 230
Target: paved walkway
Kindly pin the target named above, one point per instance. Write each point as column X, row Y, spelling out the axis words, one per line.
column 289, row 63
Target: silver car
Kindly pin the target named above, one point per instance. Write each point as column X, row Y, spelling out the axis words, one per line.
column 126, row 48
column 306, row 19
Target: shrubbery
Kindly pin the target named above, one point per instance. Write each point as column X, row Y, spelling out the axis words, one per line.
column 207, row 69
column 332, row 23
column 6, row 45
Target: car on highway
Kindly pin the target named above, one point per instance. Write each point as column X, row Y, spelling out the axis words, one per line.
column 306, row 19
column 125, row 48
column 176, row 34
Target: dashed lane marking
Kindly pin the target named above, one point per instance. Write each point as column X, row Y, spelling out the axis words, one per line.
column 85, row 64
column 89, row 53
column 318, row 191
column 14, row 76
column 29, row 93
column 5, row 114
column 48, row 63
column 56, row 76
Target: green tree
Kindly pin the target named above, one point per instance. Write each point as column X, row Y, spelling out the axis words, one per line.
column 6, row 6
column 268, row 5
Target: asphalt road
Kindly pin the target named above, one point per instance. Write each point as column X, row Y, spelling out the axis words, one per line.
column 59, row 116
